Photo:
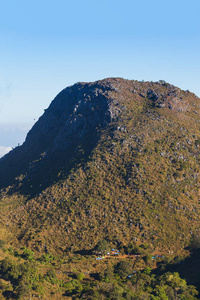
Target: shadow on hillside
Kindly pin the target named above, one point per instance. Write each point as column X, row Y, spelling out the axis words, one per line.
column 188, row 269
column 47, row 171
column 84, row 252
column 60, row 140
column 94, row 276
column 9, row 295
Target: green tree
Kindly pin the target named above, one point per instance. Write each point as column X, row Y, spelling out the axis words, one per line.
column 51, row 276
column 28, row 254
column 2, row 244
column 160, row 293
column 123, row 268
column 23, row 289
column 147, row 258
column 102, row 246
column 80, row 276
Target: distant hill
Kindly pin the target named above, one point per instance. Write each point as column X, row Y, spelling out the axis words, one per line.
column 115, row 159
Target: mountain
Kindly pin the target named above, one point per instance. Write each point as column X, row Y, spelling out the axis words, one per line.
column 115, row 159
column 110, row 164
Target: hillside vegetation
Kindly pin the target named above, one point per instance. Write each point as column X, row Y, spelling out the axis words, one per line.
column 115, row 160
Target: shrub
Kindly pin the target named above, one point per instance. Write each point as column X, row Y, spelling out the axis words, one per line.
column 51, row 276
column 6, row 265
column 2, row 244
column 28, row 254
column 147, row 258
column 23, row 290
column 46, row 258
column 10, row 249
column 123, row 268
column 16, row 253
column 102, row 246
column 144, row 246
column 106, row 275
column 80, row 276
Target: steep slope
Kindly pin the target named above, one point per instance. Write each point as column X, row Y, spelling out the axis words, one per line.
column 114, row 159
column 74, row 116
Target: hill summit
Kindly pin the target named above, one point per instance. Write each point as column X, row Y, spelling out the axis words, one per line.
column 115, row 159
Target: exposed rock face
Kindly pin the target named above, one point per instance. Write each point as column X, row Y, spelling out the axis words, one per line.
column 70, row 116
column 76, row 114
column 77, row 110
column 152, row 95
column 173, row 99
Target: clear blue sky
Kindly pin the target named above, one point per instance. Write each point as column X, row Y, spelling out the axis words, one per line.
column 48, row 45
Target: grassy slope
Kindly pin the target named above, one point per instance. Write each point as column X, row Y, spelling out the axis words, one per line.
column 140, row 183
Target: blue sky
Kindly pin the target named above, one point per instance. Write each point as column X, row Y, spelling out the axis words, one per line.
column 48, row 45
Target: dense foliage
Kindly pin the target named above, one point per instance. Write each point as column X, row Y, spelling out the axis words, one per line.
column 30, row 276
